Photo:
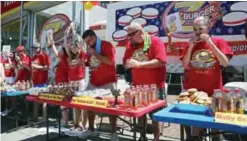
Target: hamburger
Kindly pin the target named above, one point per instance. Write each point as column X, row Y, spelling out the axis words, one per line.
column 192, row 91
column 183, row 96
column 200, row 101
column 194, row 97
column 185, row 101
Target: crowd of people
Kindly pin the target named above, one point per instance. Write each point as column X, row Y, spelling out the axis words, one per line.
column 145, row 56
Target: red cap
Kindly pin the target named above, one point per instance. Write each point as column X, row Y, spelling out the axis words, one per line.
column 20, row 48
column 236, row 90
column 226, row 90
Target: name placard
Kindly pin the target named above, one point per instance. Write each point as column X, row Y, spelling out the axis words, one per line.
column 229, row 118
column 89, row 101
column 51, row 97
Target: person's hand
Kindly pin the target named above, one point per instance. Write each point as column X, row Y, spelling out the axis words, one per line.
column 91, row 51
column 52, row 43
column 72, row 26
column 132, row 63
column 205, row 37
column 192, row 42
column 45, row 68
column 67, row 31
column 33, row 66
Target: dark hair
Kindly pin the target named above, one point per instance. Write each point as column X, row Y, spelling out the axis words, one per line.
column 64, row 51
column 87, row 33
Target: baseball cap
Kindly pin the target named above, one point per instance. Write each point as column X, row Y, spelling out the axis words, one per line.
column 36, row 45
column 20, row 48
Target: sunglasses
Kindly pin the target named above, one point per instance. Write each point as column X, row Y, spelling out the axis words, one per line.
column 198, row 29
column 132, row 34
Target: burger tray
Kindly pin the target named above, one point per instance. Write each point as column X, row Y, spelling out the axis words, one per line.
column 202, row 121
column 13, row 93
column 192, row 109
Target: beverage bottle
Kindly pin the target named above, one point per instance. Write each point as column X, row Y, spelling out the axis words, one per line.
column 139, row 95
column 134, row 99
column 127, row 98
column 31, row 84
column 236, row 98
column 144, row 97
column 131, row 100
column 220, row 102
column 227, row 101
column 151, row 93
column 232, row 99
column 147, row 94
column 18, row 85
column 138, row 100
column 245, row 103
column 23, row 85
column 215, row 101
column 28, row 84
column 239, row 104
column 154, row 92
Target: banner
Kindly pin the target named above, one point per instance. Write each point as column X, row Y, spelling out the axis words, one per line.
column 90, row 101
column 58, row 24
column 228, row 20
column 53, row 97
column 8, row 5
column 238, row 47
column 229, row 118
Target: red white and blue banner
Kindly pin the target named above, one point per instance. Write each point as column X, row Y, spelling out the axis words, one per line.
column 228, row 20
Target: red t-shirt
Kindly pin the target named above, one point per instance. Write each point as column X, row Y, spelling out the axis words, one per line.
column 147, row 76
column 102, row 73
column 76, row 71
column 8, row 68
column 40, row 76
column 204, row 72
column 23, row 73
column 62, row 69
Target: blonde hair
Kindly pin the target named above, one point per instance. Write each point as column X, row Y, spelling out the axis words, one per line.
column 135, row 26
column 202, row 20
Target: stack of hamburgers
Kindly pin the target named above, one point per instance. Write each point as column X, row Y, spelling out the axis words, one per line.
column 193, row 96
